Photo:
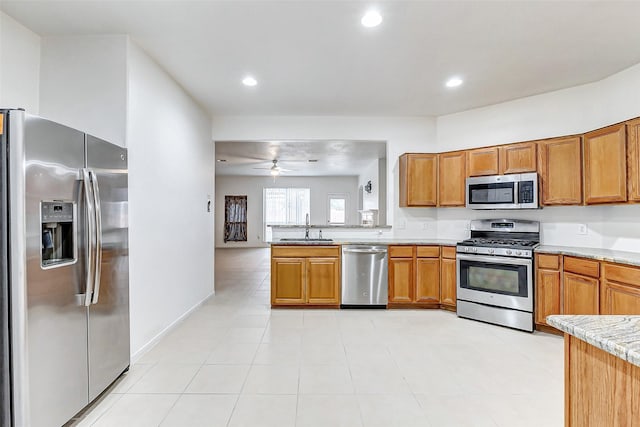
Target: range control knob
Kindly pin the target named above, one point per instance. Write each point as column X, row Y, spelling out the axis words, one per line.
column 475, row 249
column 466, row 249
column 518, row 252
column 491, row 251
column 508, row 251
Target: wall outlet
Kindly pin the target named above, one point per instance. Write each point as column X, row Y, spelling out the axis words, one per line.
column 402, row 224
column 425, row 225
column 582, row 229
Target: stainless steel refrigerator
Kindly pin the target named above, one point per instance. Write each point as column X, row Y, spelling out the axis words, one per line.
column 64, row 305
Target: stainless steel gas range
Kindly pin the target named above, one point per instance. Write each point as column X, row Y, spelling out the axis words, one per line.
column 495, row 272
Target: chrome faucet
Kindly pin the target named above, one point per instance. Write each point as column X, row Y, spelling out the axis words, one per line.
column 306, row 229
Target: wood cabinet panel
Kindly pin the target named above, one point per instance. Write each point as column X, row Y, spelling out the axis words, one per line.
column 633, row 160
column 293, row 251
column 518, row 158
column 547, row 295
column 619, row 298
column 418, row 179
column 549, row 262
column 580, row 294
column 448, row 282
column 287, row 281
column 401, row 251
column 427, row 251
column 605, row 165
column 452, row 177
column 428, row 280
column 582, row 266
column 621, row 273
column 401, row 280
column 449, row 252
column 600, row 389
column 483, row 161
column 323, row 281
column 560, row 170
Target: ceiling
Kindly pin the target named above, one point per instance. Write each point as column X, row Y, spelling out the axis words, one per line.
column 314, row 57
column 334, row 158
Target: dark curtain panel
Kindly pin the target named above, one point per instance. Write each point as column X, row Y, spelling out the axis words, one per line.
column 235, row 218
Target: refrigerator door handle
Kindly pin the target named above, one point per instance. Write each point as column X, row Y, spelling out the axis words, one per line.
column 91, row 219
column 98, row 231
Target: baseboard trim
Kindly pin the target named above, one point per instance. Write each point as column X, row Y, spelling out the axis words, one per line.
column 153, row 341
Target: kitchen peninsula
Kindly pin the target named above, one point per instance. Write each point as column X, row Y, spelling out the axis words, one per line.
column 602, row 369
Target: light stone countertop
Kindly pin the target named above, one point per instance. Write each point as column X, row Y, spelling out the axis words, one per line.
column 617, row 335
column 369, row 241
column 330, row 226
column 609, row 255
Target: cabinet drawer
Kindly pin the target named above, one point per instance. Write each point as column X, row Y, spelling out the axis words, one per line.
column 582, row 266
column 428, row 251
column 622, row 274
column 449, row 252
column 305, row 251
column 549, row 262
column 401, row 251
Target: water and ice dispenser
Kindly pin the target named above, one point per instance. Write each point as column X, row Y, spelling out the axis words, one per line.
column 57, row 220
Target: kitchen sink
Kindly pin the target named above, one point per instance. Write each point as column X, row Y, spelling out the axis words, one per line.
column 306, row 240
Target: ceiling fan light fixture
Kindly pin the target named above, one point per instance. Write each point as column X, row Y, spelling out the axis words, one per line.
column 274, row 172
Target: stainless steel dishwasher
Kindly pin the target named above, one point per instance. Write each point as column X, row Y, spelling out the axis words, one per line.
column 364, row 276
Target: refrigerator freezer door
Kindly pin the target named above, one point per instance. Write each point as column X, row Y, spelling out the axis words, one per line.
column 109, row 316
column 56, row 317
column 5, row 384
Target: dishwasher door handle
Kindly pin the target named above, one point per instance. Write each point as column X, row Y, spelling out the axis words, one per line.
column 364, row 251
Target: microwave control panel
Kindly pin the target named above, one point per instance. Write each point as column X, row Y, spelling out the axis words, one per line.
column 526, row 192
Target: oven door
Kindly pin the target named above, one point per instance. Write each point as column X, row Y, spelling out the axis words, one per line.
column 495, row 280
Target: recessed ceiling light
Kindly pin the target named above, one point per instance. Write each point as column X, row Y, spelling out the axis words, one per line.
column 454, row 82
column 249, row 81
column 371, row 19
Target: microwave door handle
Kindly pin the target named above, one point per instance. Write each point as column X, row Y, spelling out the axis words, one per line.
column 98, row 234
column 90, row 253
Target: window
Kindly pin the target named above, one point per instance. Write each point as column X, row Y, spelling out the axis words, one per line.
column 285, row 206
column 337, row 208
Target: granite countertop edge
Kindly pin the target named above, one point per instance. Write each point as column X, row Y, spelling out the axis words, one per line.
column 330, row 226
column 608, row 255
column 369, row 241
column 617, row 335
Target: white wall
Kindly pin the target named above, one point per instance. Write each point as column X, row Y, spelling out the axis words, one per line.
column 402, row 134
column 83, row 84
column 253, row 186
column 569, row 111
column 171, row 175
column 19, row 66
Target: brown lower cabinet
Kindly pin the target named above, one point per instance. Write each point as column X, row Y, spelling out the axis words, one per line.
column 417, row 276
column 305, row 275
column 573, row 285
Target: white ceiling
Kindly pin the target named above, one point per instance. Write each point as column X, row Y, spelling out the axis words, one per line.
column 314, row 58
column 334, row 158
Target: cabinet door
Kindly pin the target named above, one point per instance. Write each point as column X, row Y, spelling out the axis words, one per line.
column 401, row 284
column 452, row 178
column 560, row 163
column 518, row 158
column 483, row 161
column 580, row 294
column 323, row 281
column 605, row 165
column 418, row 180
column 619, row 298
column 547, row 294
column 428, row 280
column 633, row 145
column 448, row 282
column 287, row 281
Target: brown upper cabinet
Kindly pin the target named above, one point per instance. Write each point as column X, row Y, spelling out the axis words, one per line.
column 452, row 178
column 517, row 158
column 605, row 165
column 483, row 161
column 633, row 157
column 418, row 180
column 560, row 168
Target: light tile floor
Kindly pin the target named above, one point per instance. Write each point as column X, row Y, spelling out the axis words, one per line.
column 235, row 362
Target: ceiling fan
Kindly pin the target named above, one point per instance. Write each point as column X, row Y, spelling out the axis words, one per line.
column 275, row 170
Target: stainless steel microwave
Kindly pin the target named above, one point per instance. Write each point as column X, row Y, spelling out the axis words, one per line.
column 517, row 191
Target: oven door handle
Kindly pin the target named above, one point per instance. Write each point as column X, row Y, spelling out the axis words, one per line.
column 496, row 259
